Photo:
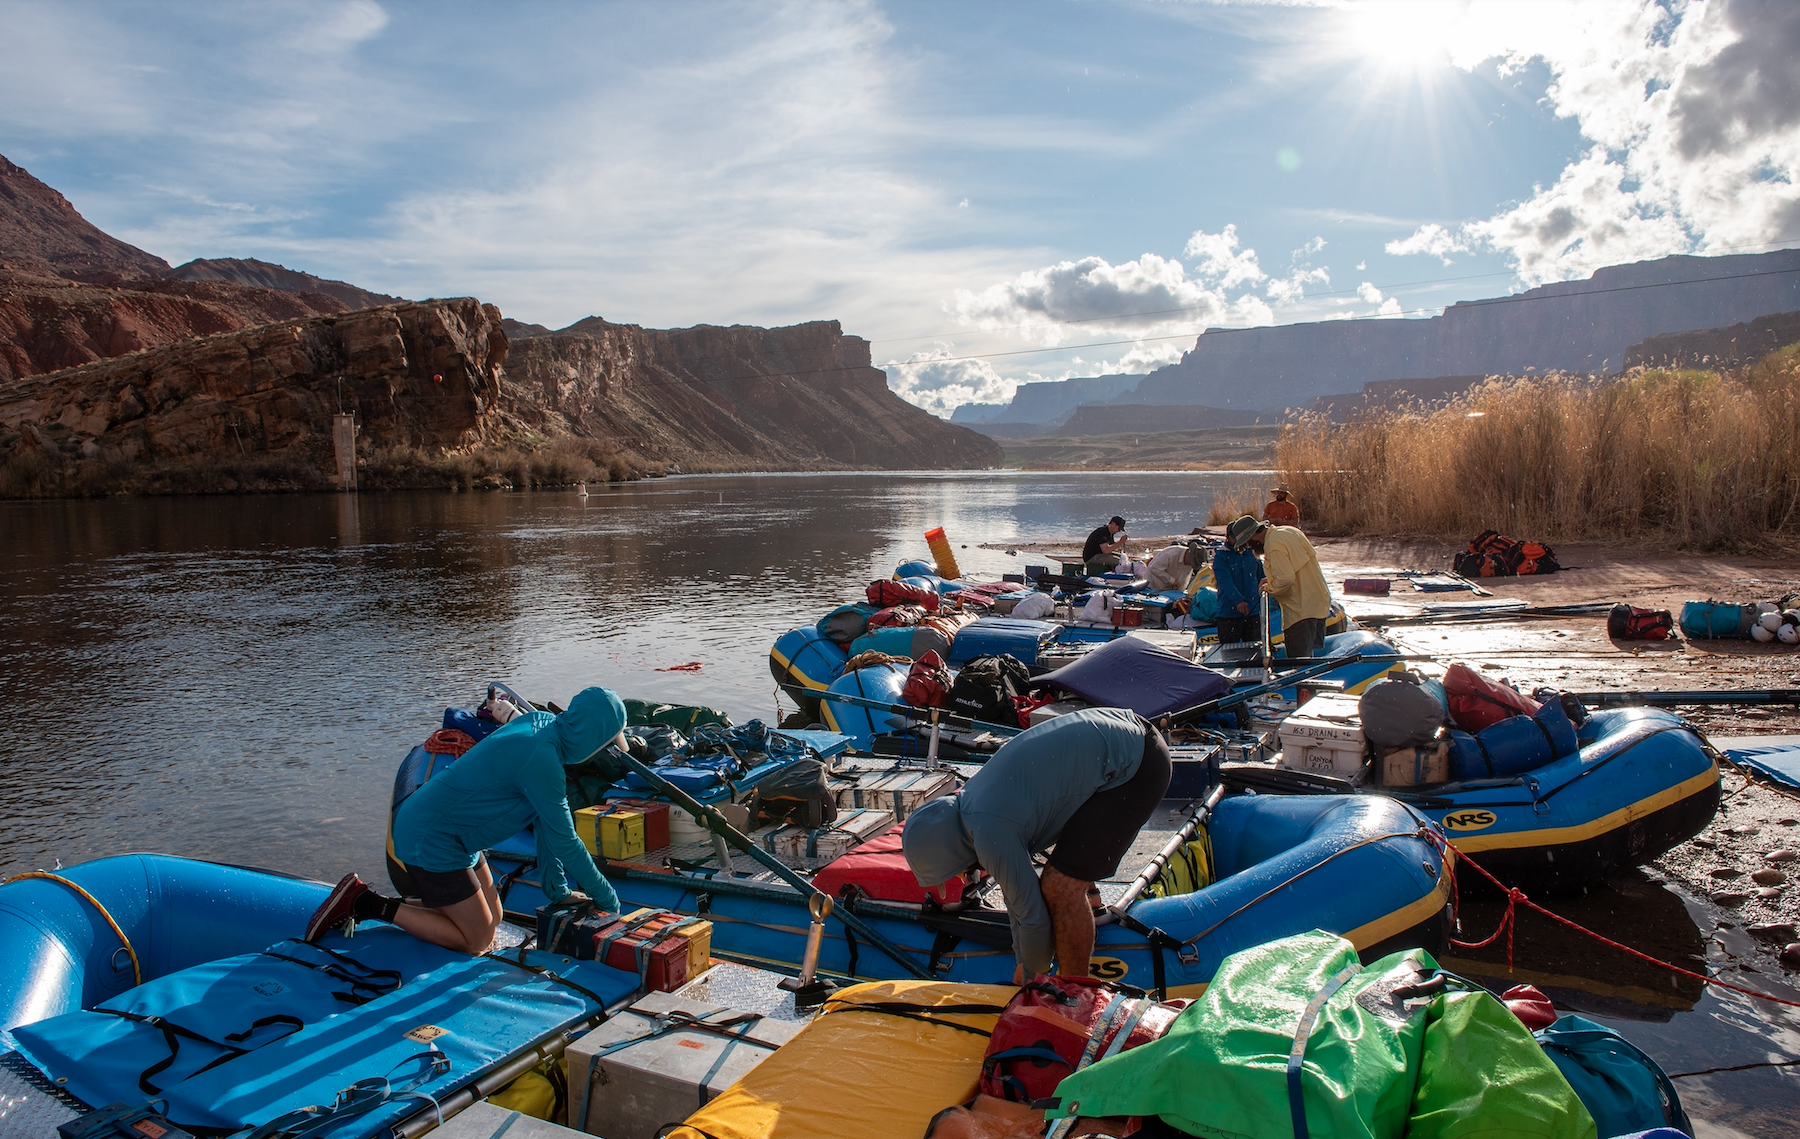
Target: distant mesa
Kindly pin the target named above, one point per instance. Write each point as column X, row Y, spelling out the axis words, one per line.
column 262, row 274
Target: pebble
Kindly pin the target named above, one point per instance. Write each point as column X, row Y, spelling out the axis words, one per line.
column 1777, row 857
column 1773, row 930
column 1729, row 898
column 1788, row 822
column 1766, row 892
column 1706, row 842
column 1724, row 873
column 1768, row 877
column 1790, row 956
column 1744, row 828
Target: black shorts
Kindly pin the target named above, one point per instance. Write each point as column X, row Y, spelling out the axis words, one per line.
column 1102, row 829
column 440, row 888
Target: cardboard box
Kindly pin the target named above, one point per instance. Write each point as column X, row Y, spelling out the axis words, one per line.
column 641, row 1089
column 901, row 792
column 1417, row 766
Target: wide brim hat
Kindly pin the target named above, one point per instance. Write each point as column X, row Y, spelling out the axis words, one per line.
column 1280, row 488
column 1240, row 530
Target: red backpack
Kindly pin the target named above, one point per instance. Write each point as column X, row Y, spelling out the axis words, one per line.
column 1056, row 1025
column 1630, row 623
column 1477, row 702
column 885, row 593
column 927, row 682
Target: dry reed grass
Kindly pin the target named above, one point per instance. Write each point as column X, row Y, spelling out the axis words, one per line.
column 1238, row 497
column 1700, row 460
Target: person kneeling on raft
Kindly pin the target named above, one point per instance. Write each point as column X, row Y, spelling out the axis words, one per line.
column 1085, row 783
column 510, row 780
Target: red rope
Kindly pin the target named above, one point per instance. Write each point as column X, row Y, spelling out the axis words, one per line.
column 1515, row 896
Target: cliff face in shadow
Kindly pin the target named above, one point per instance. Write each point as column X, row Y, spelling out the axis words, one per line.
column 739, row 398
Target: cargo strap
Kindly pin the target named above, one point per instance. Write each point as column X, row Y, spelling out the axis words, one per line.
column 365, row 983
column 173, row 1034
column 360, row 1098
column 677, row 1021
column 1132, row 1011
column 919, row 1012
column 641, row 951
column 1309, row 1017
column 547, row 975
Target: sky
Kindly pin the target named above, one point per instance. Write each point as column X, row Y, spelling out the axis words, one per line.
column 990, row 193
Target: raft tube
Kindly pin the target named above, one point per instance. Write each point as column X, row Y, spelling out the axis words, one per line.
column 204, row 999
column 1644, row 782
column 1356, row 865
column 804, row 662
column 882, row 682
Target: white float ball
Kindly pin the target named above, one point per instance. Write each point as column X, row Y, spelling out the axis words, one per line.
column 1761, row 632
column 1770, row 621
column 1788, row 634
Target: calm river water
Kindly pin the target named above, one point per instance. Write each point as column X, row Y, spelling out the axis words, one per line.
column 236, row 678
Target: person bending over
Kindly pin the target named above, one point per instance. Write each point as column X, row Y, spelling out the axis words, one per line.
column 1100, row 554
column 509, row 780
column 1084, row 783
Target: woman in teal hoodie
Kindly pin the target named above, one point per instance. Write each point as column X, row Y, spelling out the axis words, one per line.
column 510, row 780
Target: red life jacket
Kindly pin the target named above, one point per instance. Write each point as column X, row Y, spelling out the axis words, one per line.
column 1630, row 623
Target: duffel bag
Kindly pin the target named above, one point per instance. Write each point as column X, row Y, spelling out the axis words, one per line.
column 883, row 594
column 878, row 869
column 1622, row 1088
column 1056, row 1025
column 1706, row 620
column 798, row 793
column 1631, row 623
column 987, row 689
column 927, row 682
column 1400, row 712
column 897, row 616
column 1475, row 702
column 1515, row 745
column 845, row 623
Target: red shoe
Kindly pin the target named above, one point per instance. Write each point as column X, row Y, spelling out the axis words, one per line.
column 339, row 907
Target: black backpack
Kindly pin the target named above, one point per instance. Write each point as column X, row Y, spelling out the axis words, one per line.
column 986, row 687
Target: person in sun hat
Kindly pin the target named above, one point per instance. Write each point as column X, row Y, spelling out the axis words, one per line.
column 1292, row 577
column 1172, row 567
column 1084, row 783
column 512, row 779
column 1281, row 510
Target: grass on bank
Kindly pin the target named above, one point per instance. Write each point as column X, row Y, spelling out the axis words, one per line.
column 31, row 472
column 1211, row 449
column 1694, row 459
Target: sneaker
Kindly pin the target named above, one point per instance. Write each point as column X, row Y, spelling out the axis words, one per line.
column 339, row 907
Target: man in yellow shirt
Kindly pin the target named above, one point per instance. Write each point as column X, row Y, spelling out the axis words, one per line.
column 1293, row 579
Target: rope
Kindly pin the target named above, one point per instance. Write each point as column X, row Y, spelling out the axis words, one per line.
column 137, row 972
column 1515, row 897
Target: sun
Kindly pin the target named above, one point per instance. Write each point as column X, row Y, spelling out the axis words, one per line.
column 1402, row 35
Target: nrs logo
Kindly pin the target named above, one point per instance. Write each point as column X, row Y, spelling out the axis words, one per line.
column 1471, row 820
column 1106, row 969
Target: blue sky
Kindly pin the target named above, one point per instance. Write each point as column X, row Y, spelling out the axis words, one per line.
column 980, row 189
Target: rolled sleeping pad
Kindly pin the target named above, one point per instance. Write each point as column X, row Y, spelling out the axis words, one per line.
column 882, row 682
column 1711, row 620
column 912, row 641
column 1515, row 745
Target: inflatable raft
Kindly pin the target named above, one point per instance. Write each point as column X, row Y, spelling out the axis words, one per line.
column 145, row 977
column 1356, row 865
column 1643, row 782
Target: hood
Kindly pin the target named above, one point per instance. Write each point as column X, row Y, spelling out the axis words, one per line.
column 936, row 843
column 592, row 718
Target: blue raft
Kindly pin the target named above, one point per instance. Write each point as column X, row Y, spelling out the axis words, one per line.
column 1360, row 866
column 209, row 1003
column 1644, row 782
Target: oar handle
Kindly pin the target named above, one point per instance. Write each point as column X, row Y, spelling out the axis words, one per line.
column 1153, row 871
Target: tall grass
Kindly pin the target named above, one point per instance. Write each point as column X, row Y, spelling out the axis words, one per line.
column 1235, row 498
column 1700, row 460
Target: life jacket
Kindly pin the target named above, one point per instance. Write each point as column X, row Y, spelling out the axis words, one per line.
column 883, row 594
column 1631, row 623
column 897, row 616
column 987, row 689
column 1056, row 1025
column 927, row 682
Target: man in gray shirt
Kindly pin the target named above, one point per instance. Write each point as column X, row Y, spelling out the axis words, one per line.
column 1084, row 783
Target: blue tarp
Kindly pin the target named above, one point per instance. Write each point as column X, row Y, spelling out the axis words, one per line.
column 1776, row 763
column 1131, row 672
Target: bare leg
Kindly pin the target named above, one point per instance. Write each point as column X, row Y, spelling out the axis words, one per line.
column 1071, row 920
column 468, row 926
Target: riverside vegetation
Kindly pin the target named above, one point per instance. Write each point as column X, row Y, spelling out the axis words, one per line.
column 1702, row 460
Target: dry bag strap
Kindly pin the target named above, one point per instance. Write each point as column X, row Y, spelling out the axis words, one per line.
column 1302, row 1033
column 173, row 1034
column 920, row 1012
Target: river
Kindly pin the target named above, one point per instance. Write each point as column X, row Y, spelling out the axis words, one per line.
column 236, row 678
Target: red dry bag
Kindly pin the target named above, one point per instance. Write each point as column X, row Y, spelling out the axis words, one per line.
column 878, row 869
column 1059, row 1024
column 885, row 593
column 1477, row 702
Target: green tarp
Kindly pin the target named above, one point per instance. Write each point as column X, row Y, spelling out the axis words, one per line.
column 1385, row 1057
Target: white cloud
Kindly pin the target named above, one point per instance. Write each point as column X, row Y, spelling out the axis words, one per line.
column 939, row 384
column 1368, row 292
column 1692, row 113
column 1217, row 256
column 1390, row 307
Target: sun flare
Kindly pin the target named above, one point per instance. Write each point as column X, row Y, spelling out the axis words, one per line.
column 1402, row 35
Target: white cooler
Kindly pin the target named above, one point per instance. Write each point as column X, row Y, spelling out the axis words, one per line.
column 1324, row 736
